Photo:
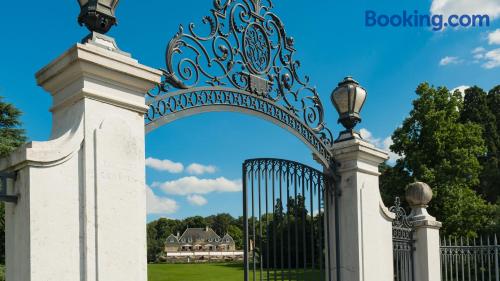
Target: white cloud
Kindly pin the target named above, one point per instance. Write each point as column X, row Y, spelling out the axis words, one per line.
column 196, row 200
column 383, row 144
column 164, row 165
column 198, row 169
column 494, row 37
column 478, row 57
column 466, row 7
column 159, row 205
column 449, row 60
column 478, row 54
column 492, row 59
column 488, row 59
column 461, row 89
column 478, row 50
column 195, row 185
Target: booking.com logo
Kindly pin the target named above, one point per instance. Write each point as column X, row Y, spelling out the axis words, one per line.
column 415, row 19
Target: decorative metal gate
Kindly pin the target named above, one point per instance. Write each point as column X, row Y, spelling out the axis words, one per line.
column 402, row 243
column 286, row 221
column 242, row 59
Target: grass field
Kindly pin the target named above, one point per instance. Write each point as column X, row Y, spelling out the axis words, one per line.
column 198, row 272
column 195, row 272
column 212, row 272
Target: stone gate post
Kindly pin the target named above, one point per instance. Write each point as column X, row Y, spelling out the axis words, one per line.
column 427, row 256
column 81, row 212
column 365, row 226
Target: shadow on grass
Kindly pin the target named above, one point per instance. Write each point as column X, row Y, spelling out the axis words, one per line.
column 231, row 265
column 278, row 274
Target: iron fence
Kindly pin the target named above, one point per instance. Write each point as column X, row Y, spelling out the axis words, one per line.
column 470, row 259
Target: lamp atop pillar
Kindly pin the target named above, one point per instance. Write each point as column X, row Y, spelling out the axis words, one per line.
column 348, row 98
column 97, row 15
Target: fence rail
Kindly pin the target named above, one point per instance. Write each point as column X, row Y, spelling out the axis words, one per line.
column 470, row 259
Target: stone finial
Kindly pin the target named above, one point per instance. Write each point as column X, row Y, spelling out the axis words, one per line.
column 418, row 194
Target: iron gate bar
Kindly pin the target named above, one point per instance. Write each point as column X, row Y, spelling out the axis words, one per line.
column 320, row 232
column 289, row 240
column 299, row 181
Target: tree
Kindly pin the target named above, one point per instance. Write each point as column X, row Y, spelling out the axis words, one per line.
column 393, row 182
column 154, row 245
column 193, row 222
column 440, row 150
column 494, row 103
column 477, row 110
column 237, row 234
column 221, row 222
column 11, row 137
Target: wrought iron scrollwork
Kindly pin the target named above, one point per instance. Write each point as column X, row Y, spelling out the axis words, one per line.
column 402, row 243
column 244, row 46
column 401, row 219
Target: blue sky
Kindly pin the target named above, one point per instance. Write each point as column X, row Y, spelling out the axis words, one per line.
column 332, row 41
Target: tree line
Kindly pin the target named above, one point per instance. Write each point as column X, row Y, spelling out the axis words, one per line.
column 288, row 237
column 451, row 141
column 160, row 229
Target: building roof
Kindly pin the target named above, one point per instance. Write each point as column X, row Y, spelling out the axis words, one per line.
column 191, row 235
column 172, row 240
column 199, row 235
column 227, row 239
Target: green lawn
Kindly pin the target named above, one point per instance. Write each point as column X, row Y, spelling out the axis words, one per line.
column 201, row 272
column 195, row 272
column 214, row 272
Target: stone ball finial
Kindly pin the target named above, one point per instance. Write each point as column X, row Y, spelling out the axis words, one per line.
column 418, row 194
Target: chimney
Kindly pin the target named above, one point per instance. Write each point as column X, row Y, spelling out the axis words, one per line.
column 178, row 234
column 206, row 228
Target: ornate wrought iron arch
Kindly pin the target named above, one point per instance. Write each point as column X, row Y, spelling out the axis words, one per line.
column 243, row 62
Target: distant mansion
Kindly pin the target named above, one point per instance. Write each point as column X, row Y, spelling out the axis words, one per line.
column 199, row 240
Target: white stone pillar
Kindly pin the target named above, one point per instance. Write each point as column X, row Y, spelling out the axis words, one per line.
column 81, row 213
column 427, row 256
column 365, row 224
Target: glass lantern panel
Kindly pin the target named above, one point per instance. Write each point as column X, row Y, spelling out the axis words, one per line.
column 360, row 99
column 107, row 6
column 340, row 98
